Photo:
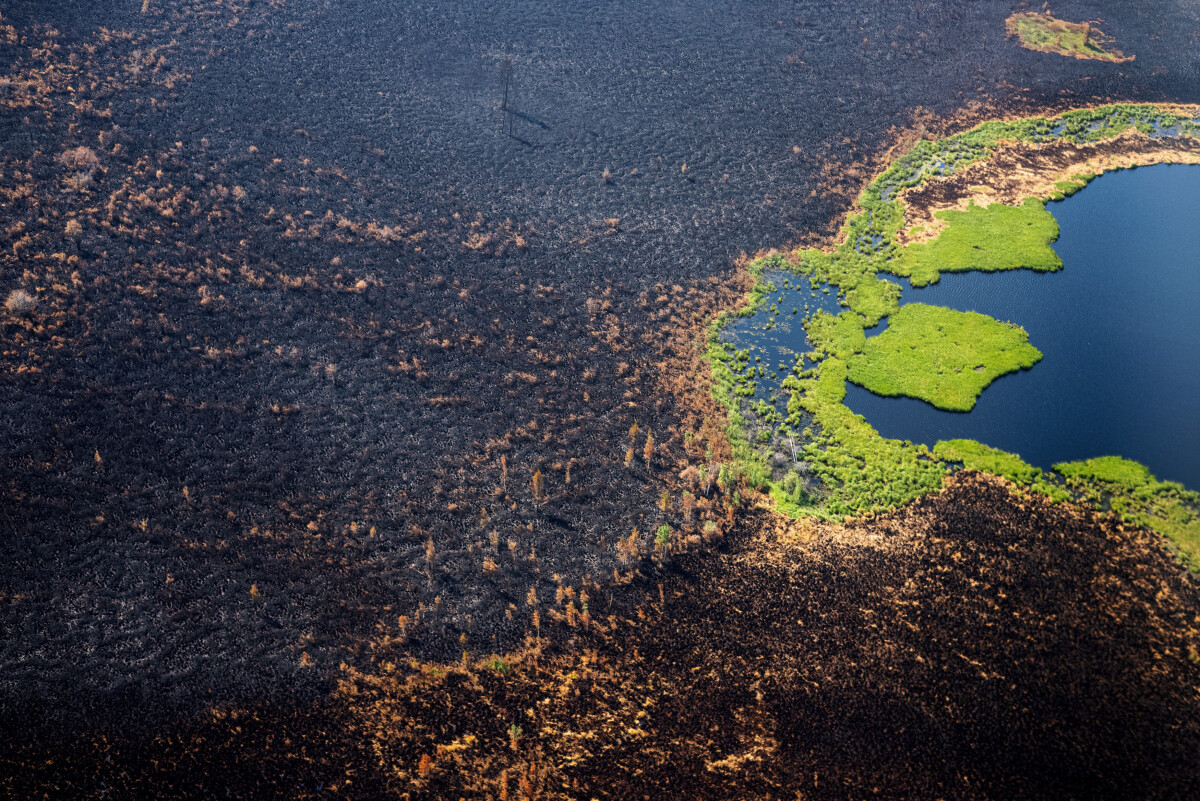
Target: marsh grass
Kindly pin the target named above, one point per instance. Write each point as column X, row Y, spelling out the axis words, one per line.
column 1129, row 489
column 860, row 470
column 942, row 356
column 987, row 239
column 977, row 456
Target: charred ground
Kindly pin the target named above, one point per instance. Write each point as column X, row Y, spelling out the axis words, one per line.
column 973, row 645
column 313, row 294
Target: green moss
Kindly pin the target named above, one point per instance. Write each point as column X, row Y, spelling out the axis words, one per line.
column 984, row 238
column 1130, row 490
column 941, row 356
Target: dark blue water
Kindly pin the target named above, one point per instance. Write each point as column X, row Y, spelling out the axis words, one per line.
column 778, row 338
column 1119, row 328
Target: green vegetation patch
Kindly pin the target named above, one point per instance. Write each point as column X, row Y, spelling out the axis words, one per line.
column 1047, row 34
column 1130, row 490
column 729, row 387
column 1114, row 470
column 839, row 335
column 977, row 456
column 873, row 299
column 941, row 356
column 860, row 469
column 1070, row 187
column 984, row 238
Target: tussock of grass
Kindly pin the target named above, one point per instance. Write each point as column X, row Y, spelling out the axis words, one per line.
column 839, row 335
column 984, row 238
column 874, row 300
column 1129, row 489
column 941, row 356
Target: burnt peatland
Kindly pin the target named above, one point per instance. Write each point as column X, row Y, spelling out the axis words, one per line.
column 972, row 645
column 306, row 320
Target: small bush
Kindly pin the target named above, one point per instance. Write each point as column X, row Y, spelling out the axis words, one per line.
column 20, row 303
column 79, row 159
column 81, row 164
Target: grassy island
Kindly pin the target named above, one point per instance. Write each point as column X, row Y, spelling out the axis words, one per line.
column 1047, row 34
column 819, row 458
column 941, row 356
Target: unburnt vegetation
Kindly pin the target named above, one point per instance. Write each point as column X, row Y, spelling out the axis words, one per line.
column 940, row 355
column 1129, row 489
column 976, row 456
column 986, row 239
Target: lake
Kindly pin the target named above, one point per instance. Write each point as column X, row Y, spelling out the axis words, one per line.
column 1119, row 329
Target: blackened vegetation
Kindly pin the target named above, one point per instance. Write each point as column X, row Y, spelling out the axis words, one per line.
column 305, row 323
column 973, row 645
column 237, row 379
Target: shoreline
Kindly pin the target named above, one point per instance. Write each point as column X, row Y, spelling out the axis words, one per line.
column 934, row 187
